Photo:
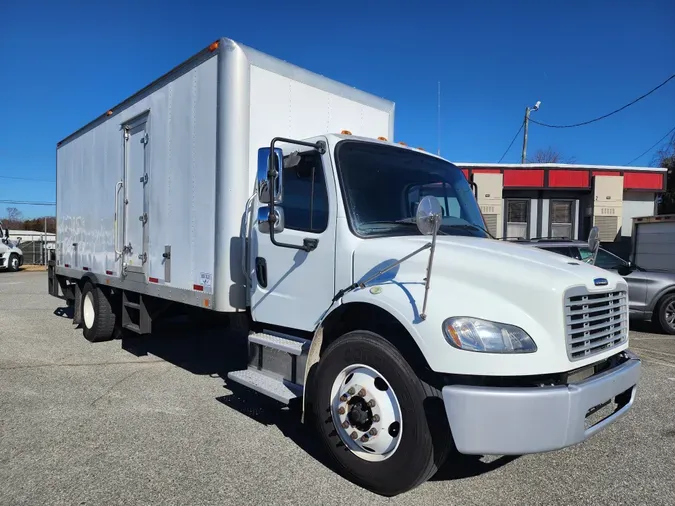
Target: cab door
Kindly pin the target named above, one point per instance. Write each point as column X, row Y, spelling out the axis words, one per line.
column 292, row 287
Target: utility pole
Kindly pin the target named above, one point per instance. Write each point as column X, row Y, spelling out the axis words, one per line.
column 528, row 110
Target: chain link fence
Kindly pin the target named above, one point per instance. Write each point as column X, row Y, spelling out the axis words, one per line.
column 36, row 248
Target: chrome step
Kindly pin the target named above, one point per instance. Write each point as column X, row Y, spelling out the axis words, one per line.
column 289, row 344
column 276, row 389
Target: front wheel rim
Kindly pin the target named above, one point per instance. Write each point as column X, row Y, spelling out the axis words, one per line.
column 366, row 413
column 15, row 263
column 669, row 314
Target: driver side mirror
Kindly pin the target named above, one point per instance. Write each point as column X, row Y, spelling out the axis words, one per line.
column 262, row 180
column 625, row 269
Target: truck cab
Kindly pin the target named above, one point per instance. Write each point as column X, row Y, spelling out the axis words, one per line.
column 11, row 256
column 523, row 351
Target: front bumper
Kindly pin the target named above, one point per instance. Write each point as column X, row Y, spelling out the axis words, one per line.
column 521, row 420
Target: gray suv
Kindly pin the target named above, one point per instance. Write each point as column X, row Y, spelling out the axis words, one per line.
column 651, row 294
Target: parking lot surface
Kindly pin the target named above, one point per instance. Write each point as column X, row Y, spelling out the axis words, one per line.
column 151, row 421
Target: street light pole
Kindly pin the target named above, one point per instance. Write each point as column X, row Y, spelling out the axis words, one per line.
column 528, row 110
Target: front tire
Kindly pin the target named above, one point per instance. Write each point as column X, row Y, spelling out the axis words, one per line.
column 13, row 263
column 98, row 318
column 666, row 313
column 362, row 383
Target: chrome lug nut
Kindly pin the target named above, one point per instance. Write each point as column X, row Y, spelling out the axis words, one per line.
column 373, row 431
column 364, row 438
column 354, row 435
column 376, row 418
column 351, row 391
column 344, row 397
column 371, row 403
column 362, row 392
column 341, row 410
column 345, row 424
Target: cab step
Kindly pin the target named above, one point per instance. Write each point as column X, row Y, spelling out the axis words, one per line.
column 275, row 388
column 282, row 342
column 276, row 365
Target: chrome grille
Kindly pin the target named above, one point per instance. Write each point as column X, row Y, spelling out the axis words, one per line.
column 594, row 322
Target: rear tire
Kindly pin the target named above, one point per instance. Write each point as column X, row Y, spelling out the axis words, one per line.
column 393, row 467
column 98, row 318
column 13, row 263
column 666, row 313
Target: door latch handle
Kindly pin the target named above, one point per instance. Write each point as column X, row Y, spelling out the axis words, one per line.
column 143, row 218
column 166, row 255
column 143, row 256
column 144, row 178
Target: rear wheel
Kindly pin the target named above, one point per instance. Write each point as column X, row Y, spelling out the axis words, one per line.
column 13, row 264
column 371, row 411
column 98, row 318
column 666, row 313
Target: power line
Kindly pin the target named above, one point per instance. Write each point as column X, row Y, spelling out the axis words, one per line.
column 605, row 115
column 27, row 203
column 512, row 141
column 655, row 144
column 27, row 179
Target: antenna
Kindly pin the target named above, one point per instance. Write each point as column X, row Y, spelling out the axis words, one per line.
column 439, row 118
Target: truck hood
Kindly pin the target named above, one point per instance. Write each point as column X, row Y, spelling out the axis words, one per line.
column 497, row 264
column 488, row 279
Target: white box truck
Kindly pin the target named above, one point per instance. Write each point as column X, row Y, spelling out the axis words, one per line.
column 371, row 294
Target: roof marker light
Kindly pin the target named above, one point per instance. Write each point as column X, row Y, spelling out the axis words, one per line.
column 402, row 143
column 382, row 139
column 213, row 46
column 346, row 132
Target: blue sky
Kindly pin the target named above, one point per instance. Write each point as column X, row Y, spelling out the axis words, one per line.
column 64, row 63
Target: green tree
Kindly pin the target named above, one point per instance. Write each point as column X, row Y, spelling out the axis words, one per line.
column 665, row 157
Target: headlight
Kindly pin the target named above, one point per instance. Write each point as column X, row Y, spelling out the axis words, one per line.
column 472, row 334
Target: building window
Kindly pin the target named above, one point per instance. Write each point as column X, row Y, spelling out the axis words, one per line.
column 562, row 219
column 517, row 219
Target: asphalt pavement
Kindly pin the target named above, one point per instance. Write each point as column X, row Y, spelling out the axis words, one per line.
column 151, row 421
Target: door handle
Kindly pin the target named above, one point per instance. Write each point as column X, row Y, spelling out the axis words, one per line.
column 118, row 186
column 261, row 271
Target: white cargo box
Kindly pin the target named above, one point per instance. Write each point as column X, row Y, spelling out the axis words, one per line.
column 151, row 195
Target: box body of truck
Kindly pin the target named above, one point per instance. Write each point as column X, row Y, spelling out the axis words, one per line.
column 151, row 195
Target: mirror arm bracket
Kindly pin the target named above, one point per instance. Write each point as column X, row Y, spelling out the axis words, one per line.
column 272, row 174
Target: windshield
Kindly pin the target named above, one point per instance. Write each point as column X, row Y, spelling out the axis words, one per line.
column 604, row 259
column 384, row 184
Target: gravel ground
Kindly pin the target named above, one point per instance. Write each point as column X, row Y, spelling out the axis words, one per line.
column 151, row 421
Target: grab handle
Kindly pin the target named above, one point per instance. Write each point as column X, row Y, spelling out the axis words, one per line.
column 118, row 187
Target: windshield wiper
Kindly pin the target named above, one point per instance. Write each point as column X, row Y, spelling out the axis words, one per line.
column 405, row 221
column 470, row 226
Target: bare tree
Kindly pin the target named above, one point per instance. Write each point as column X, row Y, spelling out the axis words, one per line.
column 13, row 214
column 550, row 155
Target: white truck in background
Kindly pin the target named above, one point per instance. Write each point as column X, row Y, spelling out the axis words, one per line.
column 388, row 314
column 11, row 256
column 653, row 243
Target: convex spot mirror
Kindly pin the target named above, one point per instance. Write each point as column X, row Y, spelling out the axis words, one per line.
column 429, row 215
column 264, row 222
column 262, row 181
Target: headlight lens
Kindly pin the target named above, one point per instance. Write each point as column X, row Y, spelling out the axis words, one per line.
column 473, row 334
